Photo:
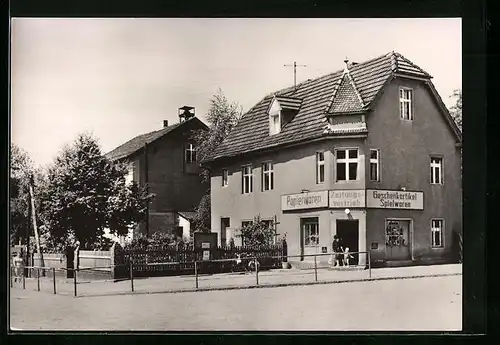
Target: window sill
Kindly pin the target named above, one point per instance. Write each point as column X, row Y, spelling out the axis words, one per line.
column 348, row 181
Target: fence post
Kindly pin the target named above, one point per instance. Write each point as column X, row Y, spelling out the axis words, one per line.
column 24, row 281
column 74, row 279
column 38, row 279
column 256, row 270
column 369, row 264
column 54, row 278
column 196, row 273
column 11, row 273
column 131, row 276
column 315, row 269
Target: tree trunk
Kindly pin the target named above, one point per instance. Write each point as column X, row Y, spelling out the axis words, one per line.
column 33, row 216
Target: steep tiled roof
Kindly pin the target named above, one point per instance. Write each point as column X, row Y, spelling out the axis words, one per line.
column 346, row 99
column 138, row 142
column 360, row 85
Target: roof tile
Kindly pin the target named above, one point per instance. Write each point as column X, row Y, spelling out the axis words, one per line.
column 336, row 92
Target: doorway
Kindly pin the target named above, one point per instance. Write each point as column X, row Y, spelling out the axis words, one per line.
column 224, row 224
column 348, row 231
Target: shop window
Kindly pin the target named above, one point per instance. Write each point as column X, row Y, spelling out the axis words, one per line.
column 320, row 167
column 310, row 228
column 436, row 170
column 247, row 180
column 375, row 165
column 437, row 233
column 267, row 176
column 347, row 164
column 405, row 103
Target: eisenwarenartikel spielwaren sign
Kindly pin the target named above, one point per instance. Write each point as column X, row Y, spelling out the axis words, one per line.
column 346, row 198
column 304, row 200
column 393, row 199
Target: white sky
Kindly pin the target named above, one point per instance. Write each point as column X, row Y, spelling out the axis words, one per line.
column 119, row 78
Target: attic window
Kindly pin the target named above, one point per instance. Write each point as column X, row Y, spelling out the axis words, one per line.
column 275, row 118
column 281, row 112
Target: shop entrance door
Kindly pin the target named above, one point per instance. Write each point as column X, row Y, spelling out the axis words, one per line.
column 397, row 240
column 348, row 230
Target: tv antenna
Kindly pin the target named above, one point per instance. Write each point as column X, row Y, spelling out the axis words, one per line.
column 295, row 72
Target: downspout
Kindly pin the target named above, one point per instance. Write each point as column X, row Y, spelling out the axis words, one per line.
column 146, row 182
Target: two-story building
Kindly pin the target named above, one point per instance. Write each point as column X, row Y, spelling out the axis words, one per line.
column 369, row 153
column 165, row 160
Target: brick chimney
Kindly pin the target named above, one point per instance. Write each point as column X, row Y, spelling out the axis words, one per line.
column 185, row 113
column 165, row 123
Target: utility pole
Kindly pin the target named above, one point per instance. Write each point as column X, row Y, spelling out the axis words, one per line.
column 295, row 72
column 33, row 216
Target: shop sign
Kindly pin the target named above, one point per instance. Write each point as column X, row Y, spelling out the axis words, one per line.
column 394, row 199
column 347, row 198
column 304, row 200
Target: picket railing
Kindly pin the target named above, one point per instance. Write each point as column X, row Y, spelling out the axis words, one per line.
column 183, row 259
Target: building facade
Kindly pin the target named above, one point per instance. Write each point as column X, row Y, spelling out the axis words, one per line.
column 369, row 153
column 166, row 161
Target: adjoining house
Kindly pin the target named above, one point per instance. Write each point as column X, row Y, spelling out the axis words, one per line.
column 369, row 153
column 166, row 161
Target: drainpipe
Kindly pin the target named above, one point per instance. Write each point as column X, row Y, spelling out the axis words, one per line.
column 146, row 181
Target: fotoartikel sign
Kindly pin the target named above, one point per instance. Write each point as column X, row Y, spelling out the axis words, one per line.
column 304, row 200
column 394, row 199
column 347, row 198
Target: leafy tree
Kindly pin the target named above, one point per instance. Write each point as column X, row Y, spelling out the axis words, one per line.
column 86, row 193
column 456, row 109
column 258, row 233
column 222, row 117
column 22, row 171
column 202, row 216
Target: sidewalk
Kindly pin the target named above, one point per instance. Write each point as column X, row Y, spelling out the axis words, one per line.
column 227, row 281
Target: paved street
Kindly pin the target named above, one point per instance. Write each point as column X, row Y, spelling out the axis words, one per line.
column 432, row 304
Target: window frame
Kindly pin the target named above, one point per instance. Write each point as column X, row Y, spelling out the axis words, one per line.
column 320, row 164
column 190, row 147
column 347, row 161
column 373, row 161
column 402, row 100
column 441, row 233
column 267, row 175
column 225, row 179
column 433, row 167
column 308, row 221
column 250, row 176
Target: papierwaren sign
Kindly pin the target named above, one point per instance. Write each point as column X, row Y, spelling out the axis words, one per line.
column 304, row 200
column 394, row 199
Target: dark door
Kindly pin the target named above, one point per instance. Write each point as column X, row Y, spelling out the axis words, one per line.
column 348, row 230
column 224, row 224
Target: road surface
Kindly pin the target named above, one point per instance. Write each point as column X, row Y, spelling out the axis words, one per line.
column 430, row 304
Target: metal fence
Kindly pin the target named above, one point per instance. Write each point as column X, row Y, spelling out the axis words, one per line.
column 253, row 275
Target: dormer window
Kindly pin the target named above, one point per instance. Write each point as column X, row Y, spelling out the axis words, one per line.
column 275, row 124
column 281, row 111
column 275, row 117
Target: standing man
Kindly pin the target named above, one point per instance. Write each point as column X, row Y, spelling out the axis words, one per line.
column 337, row 250
column 18, row 266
